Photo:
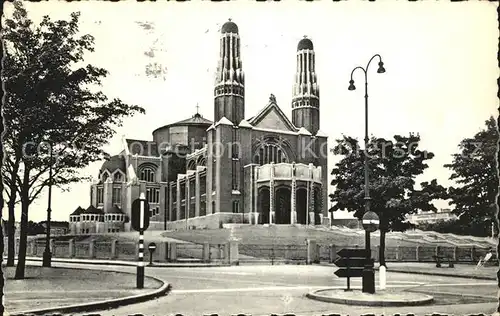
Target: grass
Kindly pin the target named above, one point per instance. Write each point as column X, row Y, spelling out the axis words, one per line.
column 285, row 235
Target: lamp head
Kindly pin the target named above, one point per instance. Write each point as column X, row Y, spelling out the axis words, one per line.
column 381, row 68
column 351, row 85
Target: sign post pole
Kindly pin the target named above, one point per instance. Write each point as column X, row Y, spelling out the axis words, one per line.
column 151, row 248
column 140, row 263
column 139, row 223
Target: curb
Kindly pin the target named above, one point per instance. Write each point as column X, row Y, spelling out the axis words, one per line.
column 102, row 305
column 130, row 264
column 380, row 303
column 428, row 273
column 444, row 274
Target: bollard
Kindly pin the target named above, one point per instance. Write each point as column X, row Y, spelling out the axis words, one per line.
column 113, row 249
column 206, row 252
column 91, row 249
column 173, row 251
column 382, row 277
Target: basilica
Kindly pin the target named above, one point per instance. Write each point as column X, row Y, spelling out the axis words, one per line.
column 198, row 173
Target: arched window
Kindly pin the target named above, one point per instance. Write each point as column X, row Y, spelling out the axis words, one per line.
column 105, row 176
column 153, row 195
column 148, row 174
column 118, row 177
column 236, row 206
column 191, row 165
column 202, row 162
column 270, row 152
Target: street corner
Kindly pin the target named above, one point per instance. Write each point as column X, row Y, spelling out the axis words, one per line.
column 381, row 298
column 49, row 290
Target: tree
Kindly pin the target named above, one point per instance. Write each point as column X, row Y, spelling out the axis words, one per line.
column 2, row 246
column 54, row 112
column 474, row 170
column 393, row 167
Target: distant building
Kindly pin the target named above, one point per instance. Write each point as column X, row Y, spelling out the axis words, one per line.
column 56, row 228
column 266, row 169
column 443, row 214
column 5, row 227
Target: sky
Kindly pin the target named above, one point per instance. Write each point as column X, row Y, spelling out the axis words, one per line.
column 440, row 60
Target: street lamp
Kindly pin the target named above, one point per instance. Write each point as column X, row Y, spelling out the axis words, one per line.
column 47, row 255
column 368, row 273
column 370, row 224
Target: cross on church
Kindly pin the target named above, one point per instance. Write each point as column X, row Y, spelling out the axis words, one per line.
column 197, row 108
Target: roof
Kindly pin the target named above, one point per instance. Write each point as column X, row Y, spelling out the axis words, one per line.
column 55, row 224
column 92, row 210
column 78, row 211
column 267, row 109
column 114, row 163
column 142, row 148
column 305, row 43
column 115, row 210
column 229, row 27
column 195, row 120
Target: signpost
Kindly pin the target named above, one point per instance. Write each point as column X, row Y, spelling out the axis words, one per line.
column 140, row 222
column 351, row 264
column 151, row 248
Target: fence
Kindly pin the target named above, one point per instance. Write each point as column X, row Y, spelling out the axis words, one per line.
column 232, row 252
column 429, row 312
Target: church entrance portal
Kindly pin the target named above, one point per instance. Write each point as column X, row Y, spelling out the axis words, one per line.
column 301, row 208
column 263, row 206
column 282, row 206
column 317, row 206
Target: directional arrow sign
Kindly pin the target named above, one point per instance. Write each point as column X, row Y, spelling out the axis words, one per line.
column 353, row 273
column 351, row 262
column 352, row 253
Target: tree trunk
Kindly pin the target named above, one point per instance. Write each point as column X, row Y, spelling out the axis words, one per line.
column 25, row 202
column 11, row 223
column 382, row 249
column 21, row 257
column 2, row 248
column 11, row 248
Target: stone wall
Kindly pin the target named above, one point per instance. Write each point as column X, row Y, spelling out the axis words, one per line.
column 210, row 221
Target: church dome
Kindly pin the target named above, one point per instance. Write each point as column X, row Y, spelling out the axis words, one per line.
column 229, row 27
column 305, row 43
column 194, row 120
column 115, row 162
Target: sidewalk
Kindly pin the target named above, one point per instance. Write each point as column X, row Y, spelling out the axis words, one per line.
column 48, row 288
column 460, row 270
column 179, row 264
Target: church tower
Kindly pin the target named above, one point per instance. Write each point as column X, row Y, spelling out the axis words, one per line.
column 229, row 88
column 305, row 100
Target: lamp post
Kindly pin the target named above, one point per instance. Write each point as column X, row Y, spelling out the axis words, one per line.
column 370, row 222
column 47, row 255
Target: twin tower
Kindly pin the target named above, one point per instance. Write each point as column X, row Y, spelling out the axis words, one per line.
column 229, row 89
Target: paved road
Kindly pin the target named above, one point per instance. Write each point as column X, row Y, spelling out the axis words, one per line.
column 262, row 290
